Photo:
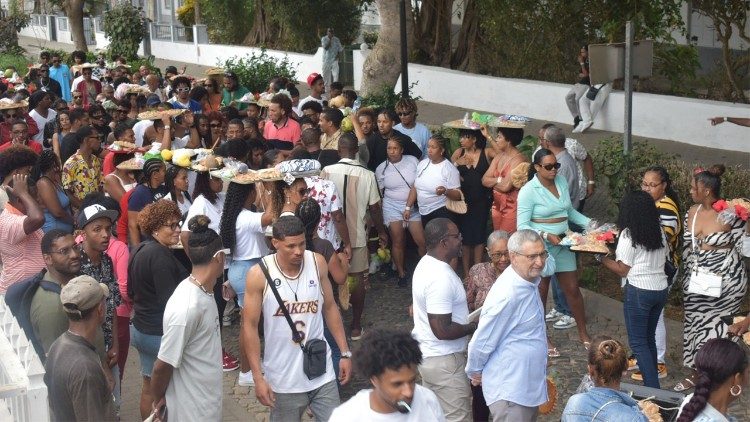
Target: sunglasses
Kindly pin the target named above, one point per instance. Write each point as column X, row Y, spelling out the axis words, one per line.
column 10, row 116
column 182, row 89
column 76, row 97
column 225, row 251
column 549, row 167
column 215, row 124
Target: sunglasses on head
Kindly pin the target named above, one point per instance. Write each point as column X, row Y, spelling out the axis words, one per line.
column 549, row 167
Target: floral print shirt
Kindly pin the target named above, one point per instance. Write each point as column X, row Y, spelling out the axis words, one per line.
column 104, row 273
column 324, row 191
column 80, row 178
column 481, row 278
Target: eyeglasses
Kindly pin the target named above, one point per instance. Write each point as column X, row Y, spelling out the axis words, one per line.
column 225, row 251
column 456, row 235
column 498, row 255
column 533, row 257
column 182, row 89
column 404, row 113
column 66, row 251
column 173, row 226
column 549, row 167
column 645, row 185
column 215, row 124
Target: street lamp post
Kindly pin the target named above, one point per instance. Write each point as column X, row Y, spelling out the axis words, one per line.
column 404, row 54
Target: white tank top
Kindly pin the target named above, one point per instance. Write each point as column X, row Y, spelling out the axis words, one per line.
column 303, row 296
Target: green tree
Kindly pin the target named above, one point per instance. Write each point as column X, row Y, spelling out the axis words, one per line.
column 125, row 28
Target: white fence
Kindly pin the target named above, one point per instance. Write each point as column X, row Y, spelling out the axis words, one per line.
column 654, row 116
column 23, row 393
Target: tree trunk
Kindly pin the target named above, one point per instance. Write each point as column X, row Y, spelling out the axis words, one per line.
column 383, row 66
column 433, row 30
column 468, row 40
column 264, row 30
column 74, row 11
column 197, row 12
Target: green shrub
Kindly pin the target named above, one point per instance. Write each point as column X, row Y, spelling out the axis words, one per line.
column 386, row 97
column 254, row 71
column 125, row 28
column 623, row 173
column 15, row 60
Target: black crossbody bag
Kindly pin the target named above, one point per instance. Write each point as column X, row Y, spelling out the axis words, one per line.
column 314, row 351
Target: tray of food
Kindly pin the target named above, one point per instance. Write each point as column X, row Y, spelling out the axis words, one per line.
column 123, row 147
column 135, row 163
column 594, row 241
column 263, row 175
column 157, row 115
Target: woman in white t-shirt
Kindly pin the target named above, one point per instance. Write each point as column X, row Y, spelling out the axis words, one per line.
column 395, row 177
column 178, row 185
column 437, row 179
column 641, row 253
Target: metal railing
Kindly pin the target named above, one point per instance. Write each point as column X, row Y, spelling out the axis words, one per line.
column 168, row 32
column 23, row 393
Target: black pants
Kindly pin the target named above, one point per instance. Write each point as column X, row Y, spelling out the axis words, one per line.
column 221, row 304
column 479, row 409
column 441, row 212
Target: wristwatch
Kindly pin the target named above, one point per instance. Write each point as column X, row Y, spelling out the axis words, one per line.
column 346, row 355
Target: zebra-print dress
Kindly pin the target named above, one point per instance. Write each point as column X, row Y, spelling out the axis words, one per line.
column 703, row 313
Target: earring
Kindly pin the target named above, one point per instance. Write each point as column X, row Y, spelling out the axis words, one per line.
column 288, row 201
column 739, row 390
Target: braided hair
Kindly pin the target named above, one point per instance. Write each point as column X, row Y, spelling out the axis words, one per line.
column 234, row 202
column 717, row 361
column 203, row 242
column 309, row 212
column 46, row 162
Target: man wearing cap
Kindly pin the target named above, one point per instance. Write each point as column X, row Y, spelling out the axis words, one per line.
column 96, row 222
column 317, row 89
column 82, row 172
column 331, row 49
column 181, row 99
column 77, row 387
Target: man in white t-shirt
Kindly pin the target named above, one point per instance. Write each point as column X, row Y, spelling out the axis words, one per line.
column 187, row 374
column 389, row 360
column 406, row 109
column 441, row 320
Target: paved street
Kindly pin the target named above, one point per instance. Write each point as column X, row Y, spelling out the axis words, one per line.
column 386, row 304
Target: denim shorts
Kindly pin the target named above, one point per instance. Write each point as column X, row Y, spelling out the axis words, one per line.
column 147, row 346
column 236, row 276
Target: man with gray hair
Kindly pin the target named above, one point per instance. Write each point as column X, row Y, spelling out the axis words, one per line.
column 554, row 140
column 441, row 320
column 508, row 352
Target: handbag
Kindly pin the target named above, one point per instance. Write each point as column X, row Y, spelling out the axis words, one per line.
column 549, row 266
column 458, row 207
column 591, row 93
column 314, row 351
column 702, row 281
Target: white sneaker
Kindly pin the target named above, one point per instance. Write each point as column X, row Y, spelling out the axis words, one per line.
column 245, row 379
column 564, row 323
column 584, row 126
column 552, row 315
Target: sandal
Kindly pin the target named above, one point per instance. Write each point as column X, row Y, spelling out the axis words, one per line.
column 684, row 385
column 552, row 352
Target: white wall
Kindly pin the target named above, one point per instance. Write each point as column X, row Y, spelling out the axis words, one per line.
column 654, row 116
column 213, row 54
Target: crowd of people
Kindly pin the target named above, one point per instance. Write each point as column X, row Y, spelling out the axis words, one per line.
column 103, row 249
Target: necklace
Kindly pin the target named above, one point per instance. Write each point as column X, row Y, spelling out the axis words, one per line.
column 198, row 283
column 287, row 278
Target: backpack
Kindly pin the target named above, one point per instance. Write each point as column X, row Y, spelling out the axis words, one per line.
column 19, row 297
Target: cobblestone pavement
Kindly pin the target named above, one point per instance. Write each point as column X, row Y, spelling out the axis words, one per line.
column 386, row 306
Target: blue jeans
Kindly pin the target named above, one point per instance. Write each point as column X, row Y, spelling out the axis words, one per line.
column 642, row 309
column 335, row 352
column 559, row 297
column 236, row 276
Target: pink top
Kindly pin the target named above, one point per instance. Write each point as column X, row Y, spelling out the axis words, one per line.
column 289, row 131
column 119, row 253
column 21, row 253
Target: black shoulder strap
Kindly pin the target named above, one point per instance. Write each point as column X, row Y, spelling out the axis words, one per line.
column 284, row 310
column 50, row 286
